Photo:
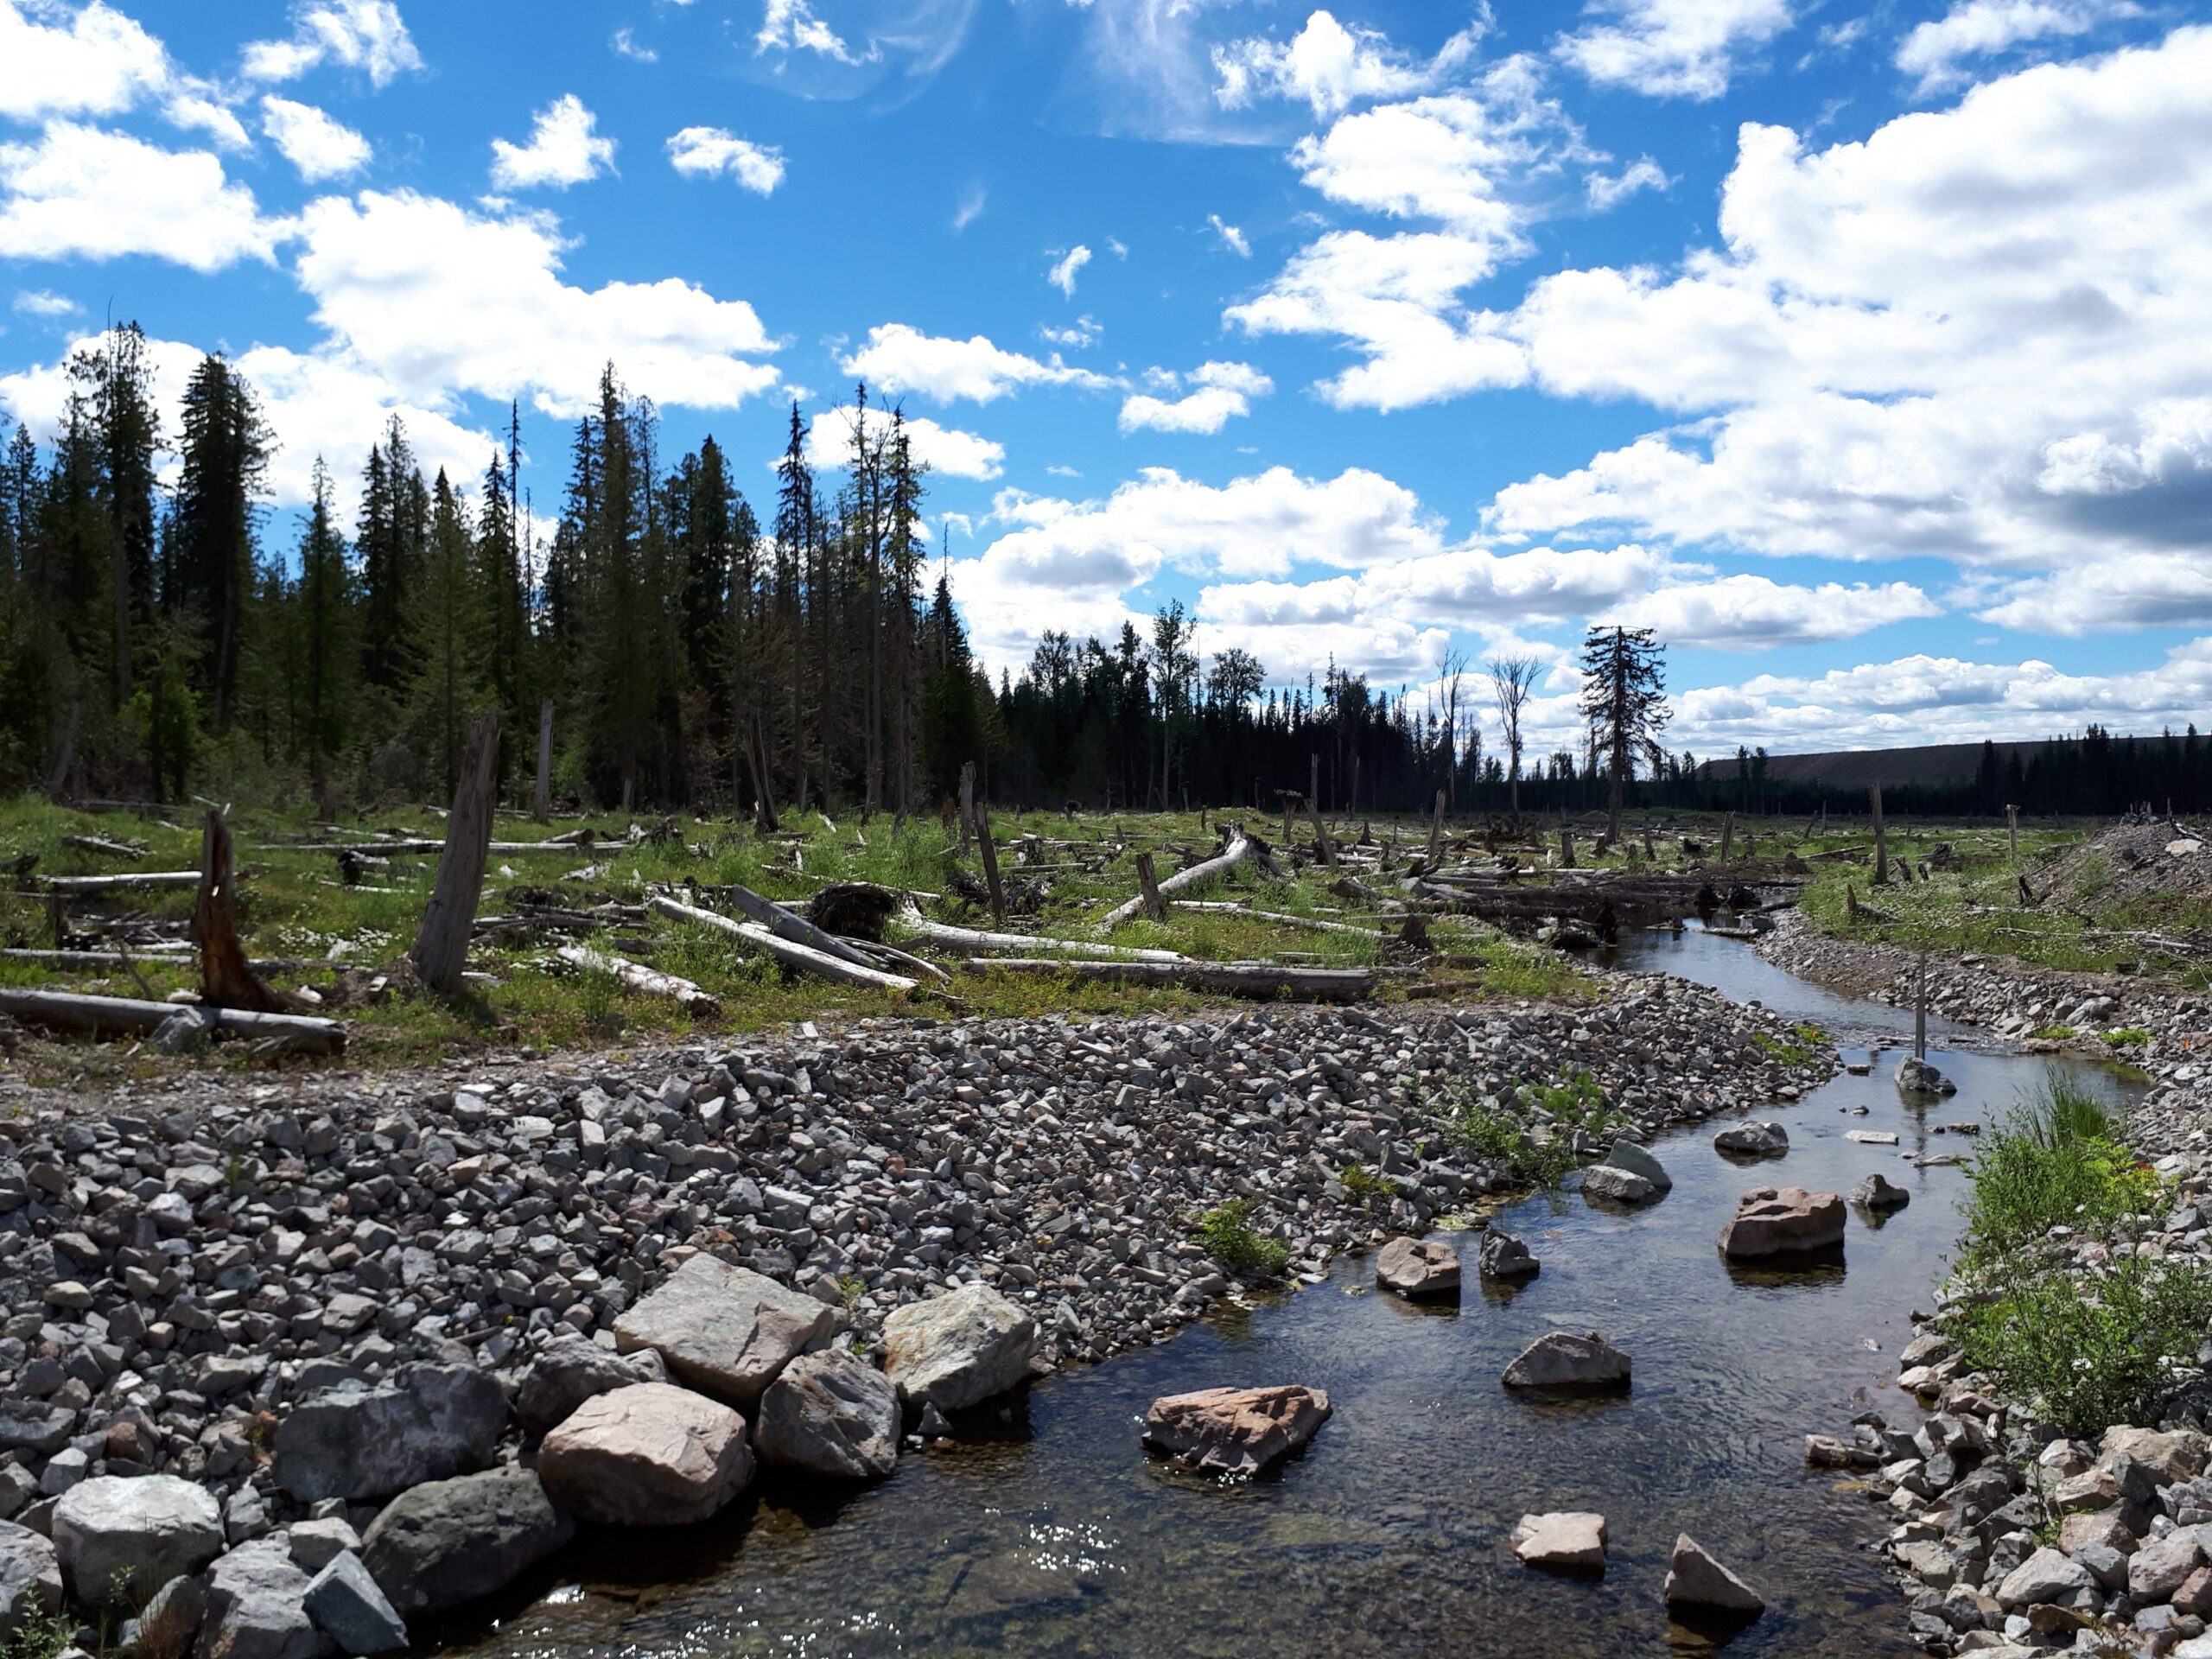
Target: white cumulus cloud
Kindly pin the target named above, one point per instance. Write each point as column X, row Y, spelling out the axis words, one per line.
column 369, row 36
column 1218, row 392
column 1670, row 48
column 1062, row 275
column 81, row 191
column 899, row 358
column 318, row 146
column 565, row 148
column 705, row 152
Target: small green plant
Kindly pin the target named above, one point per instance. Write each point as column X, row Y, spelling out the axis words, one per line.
column 1781, row 1049
column 1366, row 1186
column 2129, row 1037
column 39, row 1636
column 852, row 1290
column 2053, row 1164
column 2054, row 1034
column 1471, row 1127
column 1227, row 1235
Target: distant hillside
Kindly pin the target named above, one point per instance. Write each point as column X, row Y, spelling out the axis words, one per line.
column 1935, row 767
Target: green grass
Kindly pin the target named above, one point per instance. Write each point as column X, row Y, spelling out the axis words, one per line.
column 1227, row 1235
column 1531, row 1136
column 2087, row 1348
column 292, row 905
column 2131, row 1036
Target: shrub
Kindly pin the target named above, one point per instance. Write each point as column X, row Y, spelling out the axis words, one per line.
column 1227, row 1235
column 2131, row 1036
column 1365, row 1184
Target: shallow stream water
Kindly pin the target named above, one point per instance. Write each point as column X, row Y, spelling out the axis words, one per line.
column 1047, row 1530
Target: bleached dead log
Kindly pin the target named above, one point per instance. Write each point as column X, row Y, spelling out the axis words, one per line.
column 1263, row 979
column 133, row 881
column 128, row 1016
column 639, row 977
column 105, row 849
column 892, row 959
column 752, row 936
column 1317, row 924
column 94, row 961
column 787, row 924
column 975, row 940
column 1239, row 849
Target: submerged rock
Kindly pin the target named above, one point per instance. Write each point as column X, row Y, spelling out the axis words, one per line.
column 1752, row 1140
column 1418, row 1268
column 1236, row 1431
column 1572, row 1540
column 1504, row 1257
column 1559, row 1360
column 1788, row 1221
column 1878, row 1193
column 1915, row 1077
column 649, row 1455
column 1695, row 1579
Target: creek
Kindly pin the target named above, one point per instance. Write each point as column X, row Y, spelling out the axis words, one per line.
column 1044, row 1528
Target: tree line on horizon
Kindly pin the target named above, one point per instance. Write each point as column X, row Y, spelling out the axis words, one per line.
column 153, row 645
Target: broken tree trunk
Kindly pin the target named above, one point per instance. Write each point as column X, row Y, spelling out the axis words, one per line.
column 69, row 1011
column 1881, row 838
column 226, row 979
column 541, row 794
column 1566, row 848
column 990, row 855
column 1149, row 889
column 1435, row 836
column 1727, row 837
column 764, row 798
column 788, row 923
column 751, row 936
column 948, row 937
column 639, row 977
column 1321, row 834
column 1239, row 849
column 966, row 805
column 1261, row 979
column 441, row 946
column 136, row 881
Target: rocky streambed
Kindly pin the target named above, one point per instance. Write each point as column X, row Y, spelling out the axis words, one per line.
column 278, row 1352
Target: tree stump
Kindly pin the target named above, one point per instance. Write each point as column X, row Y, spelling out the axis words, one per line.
column 441, row 946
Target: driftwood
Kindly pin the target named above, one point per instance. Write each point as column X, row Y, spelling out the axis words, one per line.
column 441, row 946
column 1261, row 979
column 1317, row 924
column 70, row 1011
column 123, row 850
column 226, row 980
column 787, row 924
column 972, row 940
column 94, row 962
column 1240, row 848
column 639, row 977
column 132, row 882
column 752, row 936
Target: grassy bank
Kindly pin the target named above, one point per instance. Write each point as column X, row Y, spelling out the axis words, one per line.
column 293, row 905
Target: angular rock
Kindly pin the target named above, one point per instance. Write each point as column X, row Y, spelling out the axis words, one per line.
column 1504, row 1257
column 2103, row 1527
column 1752, row 1140
column 1878, row 1193
column 351, row 1442
column 1695, row 1579
column 1235, row 1431
column 1570, row 1541
column 315, row 1544
column 169, row 1623
column 649, row 1455
column 449, row 1542
column 1418, row 1267
column 1789, row 1221
column 1634, row 1158
column 2178, row 1454
column 1559, row 1360
column 1915, row 1077
column 725, row 1330
column 347, row 1606
column 1617, row 1185
column 30, row 1578
column 2045, row 1576
column 568, row 1373
column 958, row 1348
column 27, row 1426
column 2163, row 1565
column 832, row 1414
column 255, row 1607
column 139, row 1532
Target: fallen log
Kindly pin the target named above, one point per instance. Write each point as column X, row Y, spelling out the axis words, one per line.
column 70, row 1011
column 978, row 942
column 639, row 977
column 1315, row 923
column 123, row 850
column 1260, row 979
column 788, row 923
column 131, row 882
column 103, row 961
column 752, row 936
column 1239, row 849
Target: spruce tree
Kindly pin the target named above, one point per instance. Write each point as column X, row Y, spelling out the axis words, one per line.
column 210, row 568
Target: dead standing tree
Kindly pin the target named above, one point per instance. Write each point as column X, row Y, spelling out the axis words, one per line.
column 1512, row 679
column 441, row 947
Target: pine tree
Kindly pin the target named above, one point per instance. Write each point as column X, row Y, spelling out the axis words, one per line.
column 210, row 567
column 326, row 630
column 445, row 631
column 1624, row 700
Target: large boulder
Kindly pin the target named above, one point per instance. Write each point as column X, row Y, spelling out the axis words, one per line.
column 832, row 1414
column 1562, row 1361
column 566, row 1374
column 1572, row 1540
column 30, row 1578
column 449, row 1542
column 1634, row 1158
column 1504, row 1257
column 960, row 1348
column 1752, row 1140
column 1915, row 1077
column 133, row 1534
column 347, row 1606
column 1695, row 1579
column 725, row 1330
column 1786, row 1221
column 1418, row 1268
column 354, row 1442
column 2176, row 1454
column 1612, row 1185
column 649, row 1455
column 1235, row 1431
column 1879, row 1194
column 257, row 1607
column 2045, row 1576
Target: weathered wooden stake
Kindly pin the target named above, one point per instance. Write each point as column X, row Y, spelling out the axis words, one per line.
column 990, row 864
column 1920, row 1012
column 1149, row 889
column 441, row 947
column 1314, row 782
column 967, row 805
column 1881, row 839
column 1328, row 849
column 541, row 796
column 2013, row 831
column 1566, row 848
column 1727, row 837
column 1435, row 836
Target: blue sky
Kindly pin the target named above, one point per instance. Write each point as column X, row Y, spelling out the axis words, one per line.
column 1863, row 350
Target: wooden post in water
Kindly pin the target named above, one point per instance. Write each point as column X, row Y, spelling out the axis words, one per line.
column 1881, row 839
column 541, row 796
column 1727, row 837
column 1920, row 1011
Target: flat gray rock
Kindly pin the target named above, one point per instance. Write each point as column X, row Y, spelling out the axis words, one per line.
column 433, row 1422
column 724, row 1330
column 958, row 1348
column 1418, row 1268
column 142, row 1532
column 450, row 1541
column 347, row 1606
column 832, row 1414
column 1570, row 1541
column 1616, row 1186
